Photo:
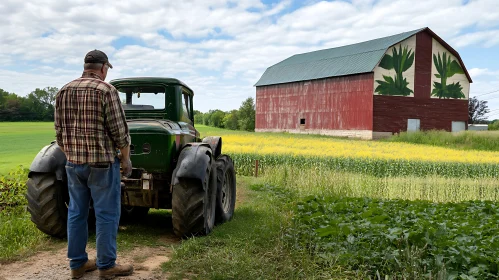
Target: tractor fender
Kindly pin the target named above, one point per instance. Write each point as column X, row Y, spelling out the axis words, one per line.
column 50, row 159
column 215, row 143
column 193, row 162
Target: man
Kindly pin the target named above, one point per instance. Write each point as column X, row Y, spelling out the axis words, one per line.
column 90, row 126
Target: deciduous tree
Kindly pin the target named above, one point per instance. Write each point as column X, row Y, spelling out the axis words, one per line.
column 246, row 115
column 477, row 109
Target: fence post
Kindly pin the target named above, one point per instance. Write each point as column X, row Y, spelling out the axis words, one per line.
column 256, row 168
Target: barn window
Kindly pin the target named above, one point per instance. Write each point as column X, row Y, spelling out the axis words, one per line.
column 458, row 126
column 302, row 121
column 413, row 124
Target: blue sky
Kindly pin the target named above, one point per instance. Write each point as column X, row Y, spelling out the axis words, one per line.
column 220, row 48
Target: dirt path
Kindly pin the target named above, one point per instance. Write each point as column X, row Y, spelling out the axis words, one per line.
column 54, row 265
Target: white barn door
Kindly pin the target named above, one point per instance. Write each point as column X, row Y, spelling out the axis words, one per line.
column 413, row 125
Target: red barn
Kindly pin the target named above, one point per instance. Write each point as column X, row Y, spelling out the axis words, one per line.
column 405, row 82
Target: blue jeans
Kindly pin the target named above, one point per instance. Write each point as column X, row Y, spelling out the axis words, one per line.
column 103, row 186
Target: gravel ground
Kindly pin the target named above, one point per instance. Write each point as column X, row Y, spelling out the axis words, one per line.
column 54, row 265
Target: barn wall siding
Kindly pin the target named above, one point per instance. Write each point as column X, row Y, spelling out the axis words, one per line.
column 391, row 113
column 339, row 103
column 422, row 77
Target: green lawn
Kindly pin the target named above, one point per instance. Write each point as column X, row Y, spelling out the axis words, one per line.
column 21, row 141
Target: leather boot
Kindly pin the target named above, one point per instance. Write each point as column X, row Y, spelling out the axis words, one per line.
column 117, row 270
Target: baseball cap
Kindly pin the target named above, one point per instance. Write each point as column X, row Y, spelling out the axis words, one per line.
column 97, row 56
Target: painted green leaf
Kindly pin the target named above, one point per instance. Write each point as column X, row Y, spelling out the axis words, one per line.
column 396, row 60
column 455, row 68
column 386, row 62
column 388, row 79
column 408, row 59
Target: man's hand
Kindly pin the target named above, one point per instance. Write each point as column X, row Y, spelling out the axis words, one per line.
column 126, row 165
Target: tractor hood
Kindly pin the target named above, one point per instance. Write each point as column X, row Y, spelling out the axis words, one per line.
column 150, row 126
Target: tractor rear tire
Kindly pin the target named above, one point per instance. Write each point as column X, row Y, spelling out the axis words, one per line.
column 47, row 202
column 193, row 205
column 226, row 189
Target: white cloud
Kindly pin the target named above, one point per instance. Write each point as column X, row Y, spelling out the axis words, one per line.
column 27, row 82
column 488, row 38
column 218, row 47
column 480, row 72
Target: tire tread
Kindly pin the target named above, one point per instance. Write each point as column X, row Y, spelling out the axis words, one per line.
column 43, row 204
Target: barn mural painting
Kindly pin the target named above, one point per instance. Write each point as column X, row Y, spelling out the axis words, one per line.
column 404, row 82
column 397, row 70
column 448, row 77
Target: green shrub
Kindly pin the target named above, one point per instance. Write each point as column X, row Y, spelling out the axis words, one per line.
column 494, row 125
column 467, row 140
column 13, row 188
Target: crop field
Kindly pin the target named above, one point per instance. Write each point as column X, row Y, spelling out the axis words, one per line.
column 383, row 209
column 350, row 209
column 20, row 142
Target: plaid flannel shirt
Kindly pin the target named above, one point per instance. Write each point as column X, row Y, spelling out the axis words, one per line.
column 89, row 120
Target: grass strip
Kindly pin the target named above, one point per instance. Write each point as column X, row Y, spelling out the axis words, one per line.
column 18, row 235
column 466, row 140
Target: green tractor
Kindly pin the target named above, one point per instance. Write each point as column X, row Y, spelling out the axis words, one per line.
column 172, row 167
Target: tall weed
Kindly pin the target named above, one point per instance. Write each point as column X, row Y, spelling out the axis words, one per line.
column 466, row 140
column 327, row 182
column 13, row 188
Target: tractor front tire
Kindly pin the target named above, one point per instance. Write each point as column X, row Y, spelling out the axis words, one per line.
column 47, row 203
column 193, row 205
column 226, row 189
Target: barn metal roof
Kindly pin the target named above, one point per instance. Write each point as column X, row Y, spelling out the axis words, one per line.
column 351, row 59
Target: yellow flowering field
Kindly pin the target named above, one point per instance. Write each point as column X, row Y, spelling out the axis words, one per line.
column 266, row 144
column 374, row 158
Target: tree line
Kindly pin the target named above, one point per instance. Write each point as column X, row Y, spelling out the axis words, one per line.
column 36, row 106
column 242, row 119
column 39, row 106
